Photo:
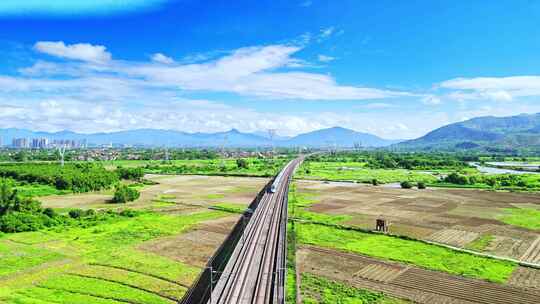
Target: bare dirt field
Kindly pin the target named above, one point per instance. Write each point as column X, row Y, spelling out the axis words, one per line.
column 459, row 217
column 173, row 192
column 411, row 283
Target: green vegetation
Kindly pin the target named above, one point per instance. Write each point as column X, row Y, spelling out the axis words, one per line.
column 102, row 262
column 124, row 194
column 481, row 242
column 388, row 160
column 291, row 263
column 523, row 217
column 359, row 172
column 300, row 202
column 527, row 182
column 319, row 290
column 406, row 185
column 74, row 177
column 408, row 251
column 234, row 167
column 130, row 173
column 228, row 207
column 17, row 257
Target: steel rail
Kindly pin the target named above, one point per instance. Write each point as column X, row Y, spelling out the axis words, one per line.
column 255, row 272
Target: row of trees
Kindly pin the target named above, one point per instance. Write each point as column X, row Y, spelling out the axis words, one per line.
column 389, row 160
column 499, row 180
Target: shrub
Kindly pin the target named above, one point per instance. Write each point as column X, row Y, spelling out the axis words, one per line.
column 21, row 222
column 49, row 212
column 75, row 213
column 406, row 185
column 421, row 185
column 242, row 163
column 374, row 182
column 124, row 194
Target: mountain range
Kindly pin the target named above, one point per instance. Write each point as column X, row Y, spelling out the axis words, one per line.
column 482, row 133
column 336, row 136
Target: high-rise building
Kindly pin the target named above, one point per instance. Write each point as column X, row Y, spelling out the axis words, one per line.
column 20, row 143
column 40, row 143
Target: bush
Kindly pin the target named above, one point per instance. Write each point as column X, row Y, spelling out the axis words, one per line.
column 21, row 222
column 374, row 182
column 49, row 212
column 406, row 185
column 76, row 213
column 421, row 185
column 242, row 163
column 124, row 194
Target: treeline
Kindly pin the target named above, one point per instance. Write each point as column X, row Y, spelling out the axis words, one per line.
column 494, row 181
column 390, row 160
column 79, row 177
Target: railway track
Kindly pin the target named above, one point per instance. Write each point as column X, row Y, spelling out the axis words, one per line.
column 255, row 272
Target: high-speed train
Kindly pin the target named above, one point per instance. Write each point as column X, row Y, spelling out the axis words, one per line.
column 276, row 182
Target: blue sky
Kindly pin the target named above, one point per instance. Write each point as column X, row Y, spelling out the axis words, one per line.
column 393, row 68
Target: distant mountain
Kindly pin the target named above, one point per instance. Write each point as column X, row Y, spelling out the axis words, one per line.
column 340, row 137
column 513, row 132
column 233, row 138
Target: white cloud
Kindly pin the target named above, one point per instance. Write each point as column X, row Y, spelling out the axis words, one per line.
column 79, row 51
column 493, row 88
column 160, row 58
column 431, row 100
column 324, row 58
column 326, row 32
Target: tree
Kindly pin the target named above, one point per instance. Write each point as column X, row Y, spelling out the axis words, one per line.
column 124, row 194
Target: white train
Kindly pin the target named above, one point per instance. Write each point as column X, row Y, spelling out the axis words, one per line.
column 276, row 182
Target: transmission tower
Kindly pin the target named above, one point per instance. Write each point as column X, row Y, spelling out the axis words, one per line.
column 223, row 144
column 61, row 152
column 271, row 135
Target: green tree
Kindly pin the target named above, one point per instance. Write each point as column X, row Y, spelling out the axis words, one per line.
column 124, row 194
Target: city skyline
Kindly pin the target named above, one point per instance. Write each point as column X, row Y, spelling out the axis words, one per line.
column 389, row 69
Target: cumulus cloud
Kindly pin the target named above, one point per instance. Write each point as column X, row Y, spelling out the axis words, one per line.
column 93, row 92
column 493, row 88
column 160, row 58
column 79, row 51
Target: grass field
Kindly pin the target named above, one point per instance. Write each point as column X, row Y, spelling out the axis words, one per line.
column 408, row 251
column 522, row 217
column 224, row 167
column 358, row 172
column 99, row 264
column 319, row 290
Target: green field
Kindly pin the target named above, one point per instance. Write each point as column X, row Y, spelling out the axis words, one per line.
column 254, row 166
column 359, row 172
column 97, row 264
column 523, row 217
column 408, row 251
